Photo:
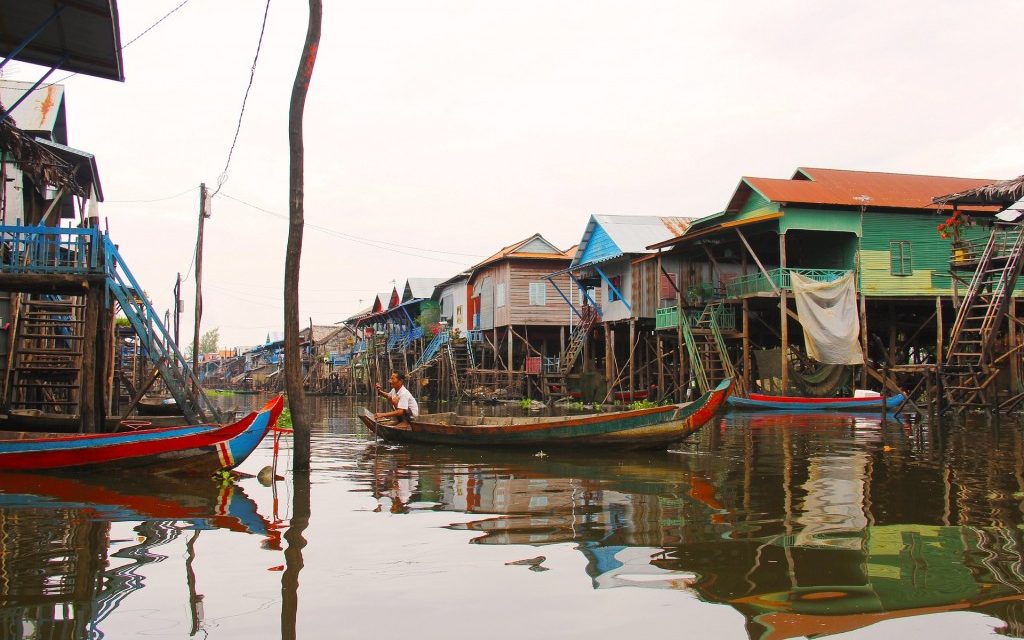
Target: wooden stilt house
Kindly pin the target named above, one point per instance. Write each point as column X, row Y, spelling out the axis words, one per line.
column 517, row 324
column 821, row 224
column 616, row 289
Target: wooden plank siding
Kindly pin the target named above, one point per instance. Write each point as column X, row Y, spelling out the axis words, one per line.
column 516, row 276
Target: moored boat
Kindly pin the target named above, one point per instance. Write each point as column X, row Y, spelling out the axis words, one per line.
column 204, row 448
column 631, row 429
column 790, row 403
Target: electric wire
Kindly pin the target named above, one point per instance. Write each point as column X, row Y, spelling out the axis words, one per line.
column 127, row 44
column 377, row 244
column 223, row 177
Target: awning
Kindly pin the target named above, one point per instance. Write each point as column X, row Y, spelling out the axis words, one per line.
column 86, row 32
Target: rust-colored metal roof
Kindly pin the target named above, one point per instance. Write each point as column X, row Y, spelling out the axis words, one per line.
column 840, row 187
column 507, row 252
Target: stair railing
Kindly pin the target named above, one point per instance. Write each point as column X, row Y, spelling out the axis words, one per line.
column 173, row 367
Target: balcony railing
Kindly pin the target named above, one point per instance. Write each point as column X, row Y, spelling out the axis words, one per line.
column 668, row 318
column 50, row 250
column 757, row 282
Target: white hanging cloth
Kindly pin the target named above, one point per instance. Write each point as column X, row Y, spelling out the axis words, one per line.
column 828, row 313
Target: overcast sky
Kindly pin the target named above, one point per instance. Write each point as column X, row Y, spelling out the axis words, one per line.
column 438, row 132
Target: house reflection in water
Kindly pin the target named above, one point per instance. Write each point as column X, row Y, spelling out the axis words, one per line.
column 58, row 578
column 803, row 538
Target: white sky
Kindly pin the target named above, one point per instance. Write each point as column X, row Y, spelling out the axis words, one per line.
column 464, row 126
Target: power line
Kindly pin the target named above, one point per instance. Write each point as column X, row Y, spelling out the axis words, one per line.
column 177, row 195
column 377, row 244
column 252, row 74
column 125, row 45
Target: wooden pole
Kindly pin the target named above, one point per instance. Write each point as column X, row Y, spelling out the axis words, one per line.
column 746, row 345
column 784, row 320
column 864, row 340
column 293, row 255
column 681, row 360
column 632, row 359
column 90, row 374
column 203, row 215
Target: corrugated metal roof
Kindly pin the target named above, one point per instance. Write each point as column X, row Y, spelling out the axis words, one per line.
column 629, row 234
column 839, row 187
column 83, row 164
column 507, row 252
column 87, row 32
column 420, row 288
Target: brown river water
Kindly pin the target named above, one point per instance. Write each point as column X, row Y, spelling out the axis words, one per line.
column 759, row 526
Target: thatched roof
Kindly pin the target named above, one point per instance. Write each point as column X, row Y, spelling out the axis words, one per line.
column 42, row 165
column 1003, row 194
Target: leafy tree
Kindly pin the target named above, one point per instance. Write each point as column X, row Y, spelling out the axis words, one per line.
column 209, row 342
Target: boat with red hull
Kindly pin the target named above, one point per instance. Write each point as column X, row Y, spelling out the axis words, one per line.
column 790, row 403
column 635, row 429
column 203, row 448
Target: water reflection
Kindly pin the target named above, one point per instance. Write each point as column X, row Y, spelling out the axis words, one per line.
column 806, row 524
column 60, row 575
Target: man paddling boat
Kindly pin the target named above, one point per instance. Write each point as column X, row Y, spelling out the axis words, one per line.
column 405, row 408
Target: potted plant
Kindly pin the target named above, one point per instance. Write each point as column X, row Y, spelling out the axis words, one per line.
column 953, row 228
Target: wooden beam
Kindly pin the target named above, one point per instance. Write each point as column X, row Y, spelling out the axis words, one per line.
column 757, row 260
column 784, row 320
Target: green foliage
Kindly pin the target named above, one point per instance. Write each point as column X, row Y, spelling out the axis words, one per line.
column 122, row 321
column 285, row 421
column 209, row 342
column 525, row 403
column 642, row 404
column 576, row 406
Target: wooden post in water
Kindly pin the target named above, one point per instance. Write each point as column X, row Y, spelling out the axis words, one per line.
column 89, row 408
column 632, row 360
column 746, row 345
column 293, row 255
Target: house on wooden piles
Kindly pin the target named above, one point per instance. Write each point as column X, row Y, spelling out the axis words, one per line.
column 735, row 271
column 452, row 297
column 616, row 286
column 323, row 362
column 515, row 320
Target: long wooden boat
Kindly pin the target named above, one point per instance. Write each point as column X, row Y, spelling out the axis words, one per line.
column 635, row 429
column 790, row 403
column 204, row 448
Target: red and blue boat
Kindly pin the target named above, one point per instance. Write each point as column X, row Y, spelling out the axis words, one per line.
column 797, row 403
column 202, row 448
column 634, row 429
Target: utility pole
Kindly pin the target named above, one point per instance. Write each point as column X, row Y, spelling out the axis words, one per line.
column 177, row 311
column 203, row 215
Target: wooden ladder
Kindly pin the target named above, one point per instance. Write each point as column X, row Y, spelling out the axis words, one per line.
column 709, row 357
column 970, row 365
column 46, row 354
column 578, row 339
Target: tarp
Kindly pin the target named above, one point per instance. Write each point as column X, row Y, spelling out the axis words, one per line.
column 828, row 313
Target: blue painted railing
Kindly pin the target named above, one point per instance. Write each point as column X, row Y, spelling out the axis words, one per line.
column 153, row 336
column 431, row 350
column 50, row 250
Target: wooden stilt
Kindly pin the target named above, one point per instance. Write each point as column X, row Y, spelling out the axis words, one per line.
column 864, row 340
column 746, row 345
column 632, row 361
column 784, row 321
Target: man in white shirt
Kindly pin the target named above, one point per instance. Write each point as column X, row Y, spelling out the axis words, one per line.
column 406, row 409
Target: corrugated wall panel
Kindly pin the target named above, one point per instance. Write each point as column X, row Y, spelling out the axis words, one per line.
column 599, row 246
column 930, row 254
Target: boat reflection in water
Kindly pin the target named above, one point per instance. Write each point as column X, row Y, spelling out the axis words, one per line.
column 56, row 577
column 792, row 531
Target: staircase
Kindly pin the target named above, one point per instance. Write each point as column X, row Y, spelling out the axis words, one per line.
column 578, row 338
column 970, row 365
column 181, row 383
column 46, row 354
column 460, row 359
column 431, row 351
column 709, row 357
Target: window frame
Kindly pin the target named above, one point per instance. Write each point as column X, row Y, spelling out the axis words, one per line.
column 538, row 299
column 901, row 258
